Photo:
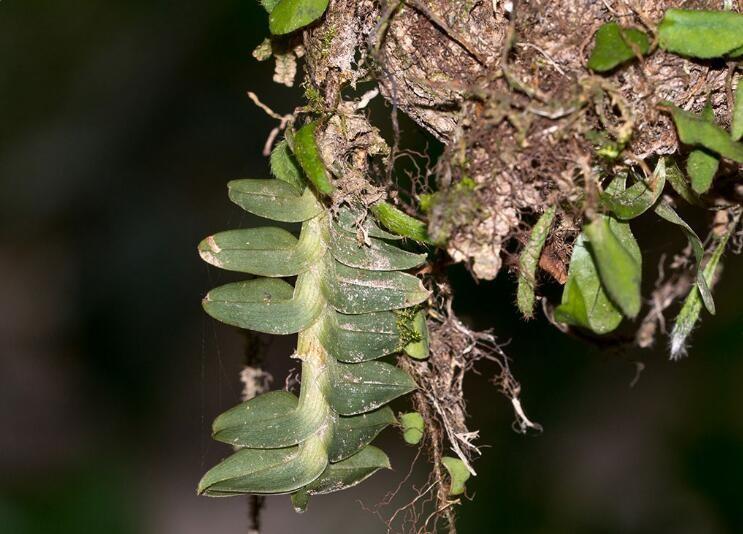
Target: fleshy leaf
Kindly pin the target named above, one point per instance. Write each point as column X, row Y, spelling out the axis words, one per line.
column 702, row 34
column 266, row 305
column 274, row 199
column 285, row 168
column 354, row 433
column 458, row 473
column 529, row 260
column 375, row 254
column 350, row 472
column 362, row 337
column 419, row 349
column 363, row 387
column 401, row 223
column 412, row 427
column 695, row 130
column 290, row 15
column 614, row 45
column 618, row 261
column 353, row 222
column 308, row 156
column 626, row 204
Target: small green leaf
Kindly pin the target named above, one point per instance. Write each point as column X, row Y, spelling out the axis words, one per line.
column 350, row 472
column 308, row 156
column 362, row 337
column 354, row 433
column 300, row 500
column 274, row 199
column 701, row 167
column 402, row 224
column 412, row 427
column 269, row 5
column 458, row 473
column 290, row 15
column 374, row 255
column 529, row 260
column 419, row 349
column 692, row 307
column 736, row 132
column 618, row 260
column 266, row 305
column 266, row 470
column 614, row 46
column 695, row 130
column 584, row 302
column 626, row 204
column 666, row 212
column 702, row 34
column 284, row 167
column 681, row 185
column 363, row 387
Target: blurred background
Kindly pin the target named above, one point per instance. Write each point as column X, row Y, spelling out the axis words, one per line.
column 120, row 124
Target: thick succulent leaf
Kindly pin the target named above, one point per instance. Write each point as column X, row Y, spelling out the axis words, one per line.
column 529, row 260
column 285, row 168
column 614, row 45
column 265, row 305
column 353, row 222
column 401, row 223
column 362, row 387
column 626, row 204
column 618, row 260
column 269, row 421
column 419, row 349
column 374, row 255
column 290, row 15
column 354, row 433
column 736, row 131
column 458, row 473
column 274, row 199
column 266, row 470
column 584, row 302
column 360, row 338
column 412, row 427
column 350, row 472
column 265, row 251
column 681, row 185
column 666, row 212
column 308, row 155
column 695, row 130
column 354, row 291
column 702, row 34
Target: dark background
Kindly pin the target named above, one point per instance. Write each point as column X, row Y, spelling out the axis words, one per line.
column 120, row 123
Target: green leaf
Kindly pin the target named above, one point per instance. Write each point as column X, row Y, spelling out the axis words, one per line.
column 354, row 433
column 736, row 132
column 300, row 500
column 374, row 255
column 355, row 291
column 268, row 5
column 701, row 167
column 290, row 15
column 266, row 305
column 666, row 212
column 618, row 261
column 681, row 185
column 285, row 168
column 350, row 472
column 412, row 427
column 354, row 222
column 419, row 349
column 692, row 307
column 529, row 260
column 694, row 130
column 702, row 34
column 360, row 338
column 265, row 251
column 614, row 46
column 308, row 156
column 363, row 387
column 458, row 473
column 274, row 199
column 626, row 204
column 584, row 302
column 269, row 421
column 402, row 224
column 266, row 470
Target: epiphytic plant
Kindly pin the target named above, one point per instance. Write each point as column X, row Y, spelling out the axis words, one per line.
column 351, row 305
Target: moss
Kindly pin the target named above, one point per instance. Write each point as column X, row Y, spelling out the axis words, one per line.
column 451, row 208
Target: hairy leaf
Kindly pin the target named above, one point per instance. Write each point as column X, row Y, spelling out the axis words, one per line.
column 402, row 224
column 694, row 130
column 412, row 427
column 308, row 155
column 274, row 199
column 615, row 45
column 290, row 15
column 529, row 260
column 702, row 34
